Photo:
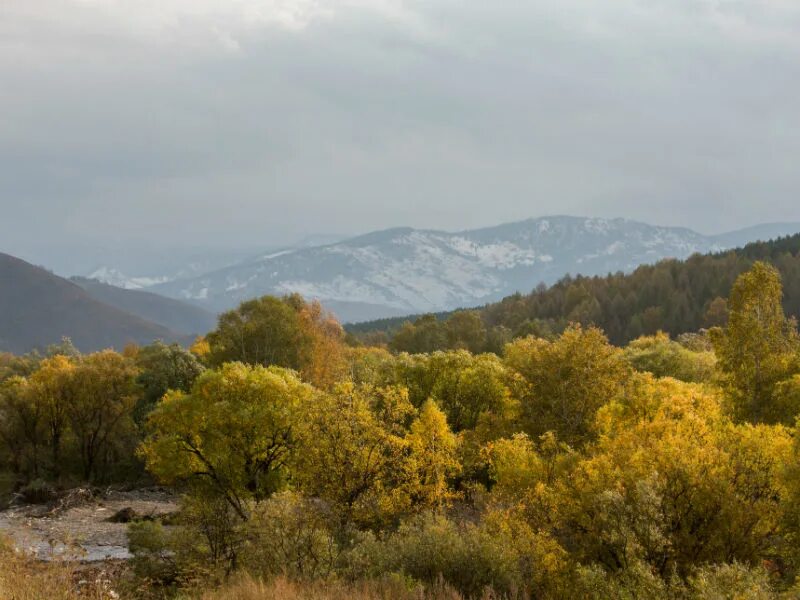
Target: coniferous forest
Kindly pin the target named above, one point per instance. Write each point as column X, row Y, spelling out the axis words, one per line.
column 672, row 296
column 621, row 437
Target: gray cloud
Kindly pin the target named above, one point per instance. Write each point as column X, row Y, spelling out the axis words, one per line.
column 252, row 122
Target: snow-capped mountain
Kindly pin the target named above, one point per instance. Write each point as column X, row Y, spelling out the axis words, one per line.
column 404, row 270
column 117, row 278
column 182, row 263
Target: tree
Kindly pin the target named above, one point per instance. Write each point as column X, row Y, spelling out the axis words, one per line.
column 284, row 332
column 426, row 334
column 433, row 460
column 568, row 379
column 758, row 348
column 21, row 426
column 54, row 386
column 354, row 452
column 265, row 331
column 674, row 483
column 164, row 368
column 100, row 410
column 323, row 361
column 465, row 329
column 233, row 434
column 662, row 357
column 462, row 385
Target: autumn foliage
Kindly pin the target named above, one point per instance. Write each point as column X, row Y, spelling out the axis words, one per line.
column 560, row 467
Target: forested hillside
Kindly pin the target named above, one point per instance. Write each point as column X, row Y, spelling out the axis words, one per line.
column 671, row 296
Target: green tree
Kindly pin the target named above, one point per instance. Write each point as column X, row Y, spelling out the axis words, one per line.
column 465, row 329
column 265, row 331
column 758, row 347
column 426, row 334
column 662, row 357
column 163, row 368
column 285, row 332
column 21, row 426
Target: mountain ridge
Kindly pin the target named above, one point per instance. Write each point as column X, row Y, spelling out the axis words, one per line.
column 176, row 315
column 38, row 308
column 406, row 270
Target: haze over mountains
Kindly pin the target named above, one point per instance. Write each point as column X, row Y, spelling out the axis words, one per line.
column 382, row 274
column 38, row 308
column 404, row 270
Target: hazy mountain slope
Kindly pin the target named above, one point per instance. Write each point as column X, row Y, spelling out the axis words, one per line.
column 175, row 315
column 407, row 270
column 141, row 270
column 757, row 233
column 674, row 296
column 38, row 308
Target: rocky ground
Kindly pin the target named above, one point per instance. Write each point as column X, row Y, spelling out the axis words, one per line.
column 83, row 525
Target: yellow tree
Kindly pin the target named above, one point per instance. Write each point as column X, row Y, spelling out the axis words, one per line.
column 674, row 483
column 354, row 451
column 232, row 436
column 433, row 459
column 100, row 409
column 55, row 387
column 568, row 380
column 323, row 361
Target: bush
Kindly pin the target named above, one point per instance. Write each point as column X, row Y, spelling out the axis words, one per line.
column 720, row 582
column 153, row 557
column 662, row 357
column 289, row 535
column 500, row 553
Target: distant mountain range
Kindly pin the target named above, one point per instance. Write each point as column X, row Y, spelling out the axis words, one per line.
column 401, row 271
column 384, row 274
column 176, row 315
column 142, row 269
column 38, row 308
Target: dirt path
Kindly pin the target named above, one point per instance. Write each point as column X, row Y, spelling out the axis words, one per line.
column 79, row 529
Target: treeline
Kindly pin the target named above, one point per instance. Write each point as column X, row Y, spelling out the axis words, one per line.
column 67, row 418
column 671, row 296
column 560, row 467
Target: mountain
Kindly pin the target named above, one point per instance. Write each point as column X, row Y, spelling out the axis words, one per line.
column 178, row 316
column 762, row 233
column 38, row 308
column 114, row 277
column 404, row 270
column 674, row 296
column 141, row 269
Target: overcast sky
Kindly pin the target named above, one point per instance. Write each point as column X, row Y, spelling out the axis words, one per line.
column 256, row 122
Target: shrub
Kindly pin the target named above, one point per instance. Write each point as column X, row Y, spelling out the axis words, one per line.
column 289, row 535
column 500, row 553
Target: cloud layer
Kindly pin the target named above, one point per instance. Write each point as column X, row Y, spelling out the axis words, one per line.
column 257, row 121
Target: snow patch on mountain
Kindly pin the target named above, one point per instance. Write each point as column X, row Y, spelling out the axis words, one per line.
column 410, row 270
column 116, row 278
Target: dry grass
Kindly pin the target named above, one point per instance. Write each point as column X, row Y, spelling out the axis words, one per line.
column 22, row 578
column 283, row 589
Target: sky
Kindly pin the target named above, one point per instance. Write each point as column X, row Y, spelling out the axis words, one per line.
column 158, row 124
